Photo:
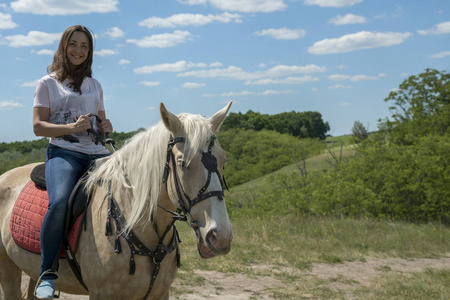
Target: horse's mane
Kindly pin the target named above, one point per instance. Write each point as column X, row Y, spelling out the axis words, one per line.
column 135, row 171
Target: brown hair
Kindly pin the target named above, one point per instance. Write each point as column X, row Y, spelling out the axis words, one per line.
column 63, row 68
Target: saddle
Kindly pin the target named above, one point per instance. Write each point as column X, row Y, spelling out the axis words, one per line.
column 30, row 209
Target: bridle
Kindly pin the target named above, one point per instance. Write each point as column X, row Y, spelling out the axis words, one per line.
column 209, row 162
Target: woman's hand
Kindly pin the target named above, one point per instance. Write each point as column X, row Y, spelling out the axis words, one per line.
column 106, row 126
column 83, row 123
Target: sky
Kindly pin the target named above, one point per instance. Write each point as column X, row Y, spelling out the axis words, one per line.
column 338, row 57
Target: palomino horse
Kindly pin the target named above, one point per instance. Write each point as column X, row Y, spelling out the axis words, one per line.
column 174, row 165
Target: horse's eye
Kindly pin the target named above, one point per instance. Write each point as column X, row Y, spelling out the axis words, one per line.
column 182, row 164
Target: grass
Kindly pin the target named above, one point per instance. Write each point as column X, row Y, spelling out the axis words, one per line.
column 288, row 242
column 290, row 247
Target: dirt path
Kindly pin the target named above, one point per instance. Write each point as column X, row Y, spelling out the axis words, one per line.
column 243, row 287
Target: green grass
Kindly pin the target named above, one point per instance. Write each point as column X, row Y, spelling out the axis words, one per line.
column 428, row 284
column 287, row 244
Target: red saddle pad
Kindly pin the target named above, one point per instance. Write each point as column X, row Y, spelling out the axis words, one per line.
column 27, row 216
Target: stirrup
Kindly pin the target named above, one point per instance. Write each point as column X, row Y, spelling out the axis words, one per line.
column 55, row 296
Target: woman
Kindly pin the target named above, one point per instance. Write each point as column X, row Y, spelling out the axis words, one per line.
column 65, row 102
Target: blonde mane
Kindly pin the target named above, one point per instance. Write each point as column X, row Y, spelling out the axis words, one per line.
column 135, row 171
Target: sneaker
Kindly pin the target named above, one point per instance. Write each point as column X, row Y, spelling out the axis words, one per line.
column 46, row 290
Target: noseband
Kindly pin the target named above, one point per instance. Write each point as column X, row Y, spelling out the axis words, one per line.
column 209, row 162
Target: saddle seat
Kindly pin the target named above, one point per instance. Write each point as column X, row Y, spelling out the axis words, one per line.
column 31, row 207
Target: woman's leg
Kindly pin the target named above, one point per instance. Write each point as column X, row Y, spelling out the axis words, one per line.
column 62, row 170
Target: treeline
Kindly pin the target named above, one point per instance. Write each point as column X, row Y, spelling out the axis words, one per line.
column 17, row 154
column 307, row 124
column 401, row 172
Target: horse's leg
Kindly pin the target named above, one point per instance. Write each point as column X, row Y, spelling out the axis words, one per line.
column 10, row 279
column 165, row 297
column 29, row 292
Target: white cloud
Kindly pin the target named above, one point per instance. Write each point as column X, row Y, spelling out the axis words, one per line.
column 340, row 77
column 347, row 19
column 345, row 104
column 34, row 38
column 288, row 80
column 283, row 33
column 247, row 93
column 216, row 64
column 8, row 105
column 193, row 85
column 237, row 73
column 179, row 20
column 163, row 40
column 150, row 83
column 340, row 86
column 332, row 3
column 124, row 62
column 30, row 83
column 115, row 32
column 358, row 41
column 106, row 52
column 73, row 7
column 441, row 28
column 382, row 75
column 193, row 2
column 178, row 66
column 362, row 78
column 440, row 54
column 45, row 52
column 6, row 21
column 248, row 6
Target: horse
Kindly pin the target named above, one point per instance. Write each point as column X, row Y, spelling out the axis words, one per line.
column 171, row 171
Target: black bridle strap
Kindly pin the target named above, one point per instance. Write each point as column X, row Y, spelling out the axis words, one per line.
column 210, row 163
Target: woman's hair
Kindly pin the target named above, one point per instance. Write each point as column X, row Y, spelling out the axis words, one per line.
column 61, row 65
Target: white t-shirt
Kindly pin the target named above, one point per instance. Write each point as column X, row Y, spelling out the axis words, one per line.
column 66, row 106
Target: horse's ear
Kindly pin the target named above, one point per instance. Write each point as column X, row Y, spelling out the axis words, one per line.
column 171, row 121
column 219, row 117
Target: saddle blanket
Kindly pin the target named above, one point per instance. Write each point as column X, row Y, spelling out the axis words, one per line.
column 27, row 216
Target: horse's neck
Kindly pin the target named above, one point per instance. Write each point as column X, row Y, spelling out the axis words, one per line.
column 145, row 229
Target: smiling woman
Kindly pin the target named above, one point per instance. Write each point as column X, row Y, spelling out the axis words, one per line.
column 65, row 103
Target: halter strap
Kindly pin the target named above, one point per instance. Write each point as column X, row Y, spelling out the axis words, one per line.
column 210, row 163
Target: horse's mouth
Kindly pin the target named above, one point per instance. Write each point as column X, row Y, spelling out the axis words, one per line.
column 204, row 249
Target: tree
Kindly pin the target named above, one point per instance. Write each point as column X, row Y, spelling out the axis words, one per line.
column 299, row 124
column 421, row 105
column 359, row 132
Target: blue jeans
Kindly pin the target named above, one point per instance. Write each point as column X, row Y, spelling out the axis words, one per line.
column 63, row 168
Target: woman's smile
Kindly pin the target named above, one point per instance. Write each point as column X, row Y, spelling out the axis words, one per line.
column 78, row 48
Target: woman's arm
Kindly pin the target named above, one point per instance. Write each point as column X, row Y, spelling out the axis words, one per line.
column 42, row 127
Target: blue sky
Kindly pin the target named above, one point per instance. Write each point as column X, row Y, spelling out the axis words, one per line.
column 338, row 57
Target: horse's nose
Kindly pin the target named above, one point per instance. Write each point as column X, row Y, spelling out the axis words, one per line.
column 220, row 240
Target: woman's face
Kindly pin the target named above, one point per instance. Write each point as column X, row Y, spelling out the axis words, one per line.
column 78, row 48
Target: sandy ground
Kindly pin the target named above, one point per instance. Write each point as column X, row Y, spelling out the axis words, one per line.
column 243, row 287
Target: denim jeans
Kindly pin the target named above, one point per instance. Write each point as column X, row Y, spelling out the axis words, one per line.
column 63, row 168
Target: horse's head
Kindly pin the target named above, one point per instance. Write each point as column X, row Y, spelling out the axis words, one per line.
column 194, row 178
